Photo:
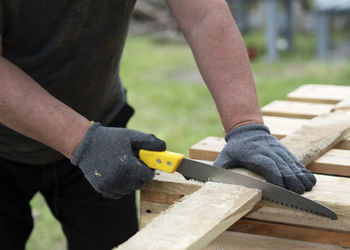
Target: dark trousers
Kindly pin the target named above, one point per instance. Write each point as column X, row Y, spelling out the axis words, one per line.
column 89, row 221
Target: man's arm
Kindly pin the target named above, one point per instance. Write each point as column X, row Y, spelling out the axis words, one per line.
column 223, row 62
column 221, row 58
column 104, row 154
column 30, row 110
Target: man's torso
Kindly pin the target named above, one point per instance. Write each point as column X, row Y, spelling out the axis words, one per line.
column 72, row 48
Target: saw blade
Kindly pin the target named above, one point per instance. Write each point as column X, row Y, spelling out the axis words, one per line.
column 191, row 169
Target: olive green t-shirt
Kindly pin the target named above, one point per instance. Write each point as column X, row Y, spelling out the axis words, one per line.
column 72, row 48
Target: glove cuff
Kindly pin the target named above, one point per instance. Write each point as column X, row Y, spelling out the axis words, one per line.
column 245, row 129
column 80, row 151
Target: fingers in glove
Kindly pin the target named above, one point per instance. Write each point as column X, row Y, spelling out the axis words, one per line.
column 308, row 173
column 291, row 162
column 306, row 182
column 266, row 167
column 112, row 196
column 224, row 161
column 303, row 169
column 291, row 181
column 296, row 169
column 109, row 194
column 140, row 140
column 303, row 178
column 144, row 173
column 134, row 176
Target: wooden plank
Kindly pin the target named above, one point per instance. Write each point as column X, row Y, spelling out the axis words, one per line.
column 292, row 232
column 329, row 190
column 296, row 109
column 234, row 240
column 335, row 161
column 318, row 93
column 282, row 126
column 264, row 212
column 207, row 149
column 317, row 136
column 150, row 209
column 343, row 105
column 175, row 229
column 344, row 144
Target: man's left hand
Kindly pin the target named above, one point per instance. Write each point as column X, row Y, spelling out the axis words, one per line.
column 252, row 147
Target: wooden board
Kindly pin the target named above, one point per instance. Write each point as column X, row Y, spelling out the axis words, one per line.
column 329, row 190
column 282, row 126
column 296, row 109
column 334, row 161
column 175, row 229
column 207, row 149
column 292, row 232
column 344, row 144
column 238, row 241
column 263, row 212
column 317, row 136
column 150, row 209
column 343, row 105
column 318, row 93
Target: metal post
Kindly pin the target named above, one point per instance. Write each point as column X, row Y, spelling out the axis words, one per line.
column 322, row 34
column 271, row 29
column 241, row 15
column 289, row 23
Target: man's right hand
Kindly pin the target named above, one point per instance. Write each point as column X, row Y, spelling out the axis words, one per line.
column 108, row 158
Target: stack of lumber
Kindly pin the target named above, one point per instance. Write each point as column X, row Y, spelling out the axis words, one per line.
column 314, row 125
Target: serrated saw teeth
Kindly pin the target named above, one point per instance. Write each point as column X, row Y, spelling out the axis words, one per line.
column 294, row 207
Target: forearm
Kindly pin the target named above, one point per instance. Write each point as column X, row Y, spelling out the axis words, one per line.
column 221, row 58
column 30, row 110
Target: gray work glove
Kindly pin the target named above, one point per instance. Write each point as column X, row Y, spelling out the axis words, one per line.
column 252, row 147
column 108, row 158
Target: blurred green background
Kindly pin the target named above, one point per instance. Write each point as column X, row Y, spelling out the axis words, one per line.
column 172, row 102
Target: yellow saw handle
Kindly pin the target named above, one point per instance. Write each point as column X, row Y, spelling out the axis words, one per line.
column 162, row 160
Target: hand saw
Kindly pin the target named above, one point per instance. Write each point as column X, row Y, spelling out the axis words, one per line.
column 190, row 169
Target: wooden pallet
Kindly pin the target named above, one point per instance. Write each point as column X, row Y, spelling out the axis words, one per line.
column 266, row 225
column 284, row 118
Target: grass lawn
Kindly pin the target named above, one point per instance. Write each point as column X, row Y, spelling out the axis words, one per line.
column 172, row 102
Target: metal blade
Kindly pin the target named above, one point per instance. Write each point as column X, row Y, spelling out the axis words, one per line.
column 203, row 172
